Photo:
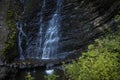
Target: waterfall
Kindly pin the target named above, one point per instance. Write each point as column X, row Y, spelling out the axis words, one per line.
column 52, row 34
column 45, row 44
column 21, row 34
column 34, row 46
column 40, row 34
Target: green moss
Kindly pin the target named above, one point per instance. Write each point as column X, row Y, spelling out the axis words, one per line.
column 10, row 47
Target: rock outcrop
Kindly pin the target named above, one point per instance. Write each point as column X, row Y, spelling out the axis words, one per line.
column 4, row 31
column 82, row 21
column 85, row 20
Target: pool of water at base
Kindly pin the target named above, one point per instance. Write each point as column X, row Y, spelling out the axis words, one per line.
column 40, row 73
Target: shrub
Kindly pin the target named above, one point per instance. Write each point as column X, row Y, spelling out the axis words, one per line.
column 100, row 62
column 51, row 77
column 29, row 77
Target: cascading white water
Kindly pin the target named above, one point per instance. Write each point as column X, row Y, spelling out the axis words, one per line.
column 52, row 34
column 43, row 46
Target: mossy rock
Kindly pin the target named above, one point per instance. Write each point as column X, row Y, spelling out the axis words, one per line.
column 10, row 51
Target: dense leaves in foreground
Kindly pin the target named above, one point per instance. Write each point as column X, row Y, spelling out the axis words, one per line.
column 100, row 62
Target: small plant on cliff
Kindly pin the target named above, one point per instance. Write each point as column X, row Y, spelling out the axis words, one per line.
column 29, row 77
column 117, row 18
column 51, row 77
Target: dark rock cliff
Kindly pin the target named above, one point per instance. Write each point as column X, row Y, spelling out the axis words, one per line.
column 82, row 21
column 85, row 20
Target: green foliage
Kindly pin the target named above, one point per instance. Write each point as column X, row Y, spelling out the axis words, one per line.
column 51, row 77
column 100, row 62
column 29, row 77
column 117, row 18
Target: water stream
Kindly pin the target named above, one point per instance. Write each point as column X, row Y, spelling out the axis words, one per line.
column 44, row 46
column 21, row 35
column 34, row 46
column 45, row 43
column 52, row 34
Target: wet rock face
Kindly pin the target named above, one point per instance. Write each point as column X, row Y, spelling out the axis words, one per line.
column 33, row 7
column 82, row 21
column 85, row 20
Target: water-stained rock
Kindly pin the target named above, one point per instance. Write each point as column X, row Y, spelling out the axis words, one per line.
column 82, row 21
